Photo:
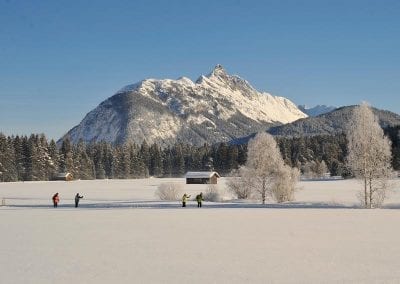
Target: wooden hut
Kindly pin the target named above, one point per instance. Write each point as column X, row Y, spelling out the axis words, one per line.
column 202, row 177
column 64, row 176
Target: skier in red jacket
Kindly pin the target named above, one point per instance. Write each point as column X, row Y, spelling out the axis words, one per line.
column 56, row 199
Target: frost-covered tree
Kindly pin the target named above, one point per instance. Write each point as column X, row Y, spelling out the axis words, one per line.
column 263, row 161
column 369, row 155
column 265, row 170
column 285, row 183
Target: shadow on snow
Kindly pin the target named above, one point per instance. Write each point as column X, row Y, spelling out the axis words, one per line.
column 206, row 205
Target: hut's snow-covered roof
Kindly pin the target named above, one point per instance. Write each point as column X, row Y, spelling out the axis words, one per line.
column 201, row 174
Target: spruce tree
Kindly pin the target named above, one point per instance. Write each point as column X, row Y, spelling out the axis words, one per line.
column 156, row 164
column 7, row 160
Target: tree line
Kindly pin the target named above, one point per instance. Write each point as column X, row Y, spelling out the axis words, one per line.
column 32, row 158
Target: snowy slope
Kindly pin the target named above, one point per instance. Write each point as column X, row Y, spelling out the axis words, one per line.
column 110, row 240
column 217, row 107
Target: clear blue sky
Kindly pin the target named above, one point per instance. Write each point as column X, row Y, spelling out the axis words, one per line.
column 60, row 59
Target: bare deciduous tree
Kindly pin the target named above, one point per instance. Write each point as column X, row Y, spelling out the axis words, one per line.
column 369, row 155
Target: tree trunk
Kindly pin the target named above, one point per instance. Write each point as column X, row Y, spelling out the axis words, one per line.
column 263, row 191
column 365, row 193
column 370, row 193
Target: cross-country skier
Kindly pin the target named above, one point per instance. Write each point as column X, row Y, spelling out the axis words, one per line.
column 199, row 199
column 56, row 200
column 77, row 198
column 185, row 198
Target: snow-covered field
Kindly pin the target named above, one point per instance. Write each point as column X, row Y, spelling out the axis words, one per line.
column 122, row 234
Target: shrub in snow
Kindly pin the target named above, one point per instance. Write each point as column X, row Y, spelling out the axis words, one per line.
column 212, row 193
column 169, row 191
column 314, row 169
column 237, row 186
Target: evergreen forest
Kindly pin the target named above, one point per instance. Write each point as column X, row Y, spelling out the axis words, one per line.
column 34, row 158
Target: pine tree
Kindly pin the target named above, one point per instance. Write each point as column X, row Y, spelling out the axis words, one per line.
column 54, row 158
column 179, row 161
column 167, row 162
column 107, row 155
column 97, row 157
column 19, row 157
column 36, row 159
column 83, row 165
column 233, row 154
column 222, row 158
column 123, row 162
column 66, row 157
column 145, row 154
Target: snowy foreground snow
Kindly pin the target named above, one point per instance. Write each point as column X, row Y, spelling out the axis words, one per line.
column 123, row 234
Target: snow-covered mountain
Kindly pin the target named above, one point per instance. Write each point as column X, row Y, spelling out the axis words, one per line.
column 217, row 107
column 317, row 110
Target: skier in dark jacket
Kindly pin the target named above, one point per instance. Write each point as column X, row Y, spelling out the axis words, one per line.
column 77, row 197
column 199, row 199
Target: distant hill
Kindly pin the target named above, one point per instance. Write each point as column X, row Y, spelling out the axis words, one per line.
column 330, row 123
column 326, row 124
column 317, row 110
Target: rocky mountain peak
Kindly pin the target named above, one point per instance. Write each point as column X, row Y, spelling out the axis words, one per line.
column 218, row 107
column 218, row 71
